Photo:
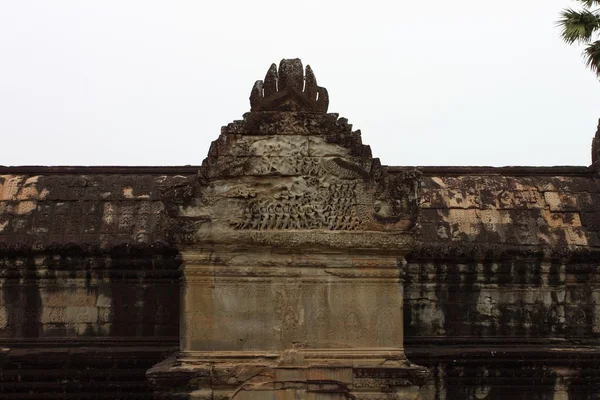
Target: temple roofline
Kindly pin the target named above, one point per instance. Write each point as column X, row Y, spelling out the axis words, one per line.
column 77, row 169
column 192, row 169
column 487, row 170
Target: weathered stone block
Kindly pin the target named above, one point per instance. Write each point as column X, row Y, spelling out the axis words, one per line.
column 105, row 314
column 54, row 315
column 103, row 301
column 82, row 314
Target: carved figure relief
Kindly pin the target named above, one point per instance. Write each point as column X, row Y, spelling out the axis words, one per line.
column 383, row 328
column 319, row 207
column 288, row 310
column 57, row 315
column 321, row 322
column 352, row 326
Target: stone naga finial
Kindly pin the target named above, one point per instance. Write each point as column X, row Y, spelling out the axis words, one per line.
column 289, row 89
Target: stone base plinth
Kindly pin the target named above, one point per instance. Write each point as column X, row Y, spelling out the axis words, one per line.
column 275, row 323
column 294, row 375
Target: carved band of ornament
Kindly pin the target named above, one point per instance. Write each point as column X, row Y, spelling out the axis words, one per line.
column 364, row 274
column 356, row 256
column 379, row 382
column 392, row 262
column 399, row 243
column 374, row 354
column 286, row 270
column 245, row 274
column 289, row 89
column 371, row 353
column 300, row 263
column 364, row 281
column 190, row 357
column 270, row 261
column 339, row 131
column 375, row 395
column 393, row 373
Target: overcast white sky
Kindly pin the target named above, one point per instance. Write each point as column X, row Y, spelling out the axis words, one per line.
column 464, row 82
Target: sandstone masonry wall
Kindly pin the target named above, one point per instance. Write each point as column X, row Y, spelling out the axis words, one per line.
column 89, row 284
column 501, row 293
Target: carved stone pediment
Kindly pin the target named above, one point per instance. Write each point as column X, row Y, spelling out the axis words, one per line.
column 305, row 174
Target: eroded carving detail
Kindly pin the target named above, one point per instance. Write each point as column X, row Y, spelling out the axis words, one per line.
column 293, row 189
column 286, row 306
column 352, row 326
column 383, row 328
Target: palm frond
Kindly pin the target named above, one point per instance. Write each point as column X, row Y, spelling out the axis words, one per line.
column 578, row 26
column 592, row 57
column 589, row 3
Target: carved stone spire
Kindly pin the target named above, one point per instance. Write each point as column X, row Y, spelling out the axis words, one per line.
column 288, row 89
column 596, row 146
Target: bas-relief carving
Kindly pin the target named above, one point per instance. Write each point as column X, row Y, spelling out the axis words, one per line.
column 332, row 208
column 290, row 313
column 278, row 187
column 383, row 328
column 353, row 327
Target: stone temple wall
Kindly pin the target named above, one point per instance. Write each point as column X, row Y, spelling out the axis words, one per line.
column 503, row 306
column 106, row 271
column 506, row 272
column 89, row 290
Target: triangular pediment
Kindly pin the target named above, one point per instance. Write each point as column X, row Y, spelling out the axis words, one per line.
column 288, row 170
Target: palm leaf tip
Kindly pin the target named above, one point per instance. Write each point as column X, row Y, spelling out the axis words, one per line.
column 578, row 26
column 589, row 3
column 592, row 57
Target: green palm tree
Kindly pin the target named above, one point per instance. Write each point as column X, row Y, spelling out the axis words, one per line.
column 582, row 27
